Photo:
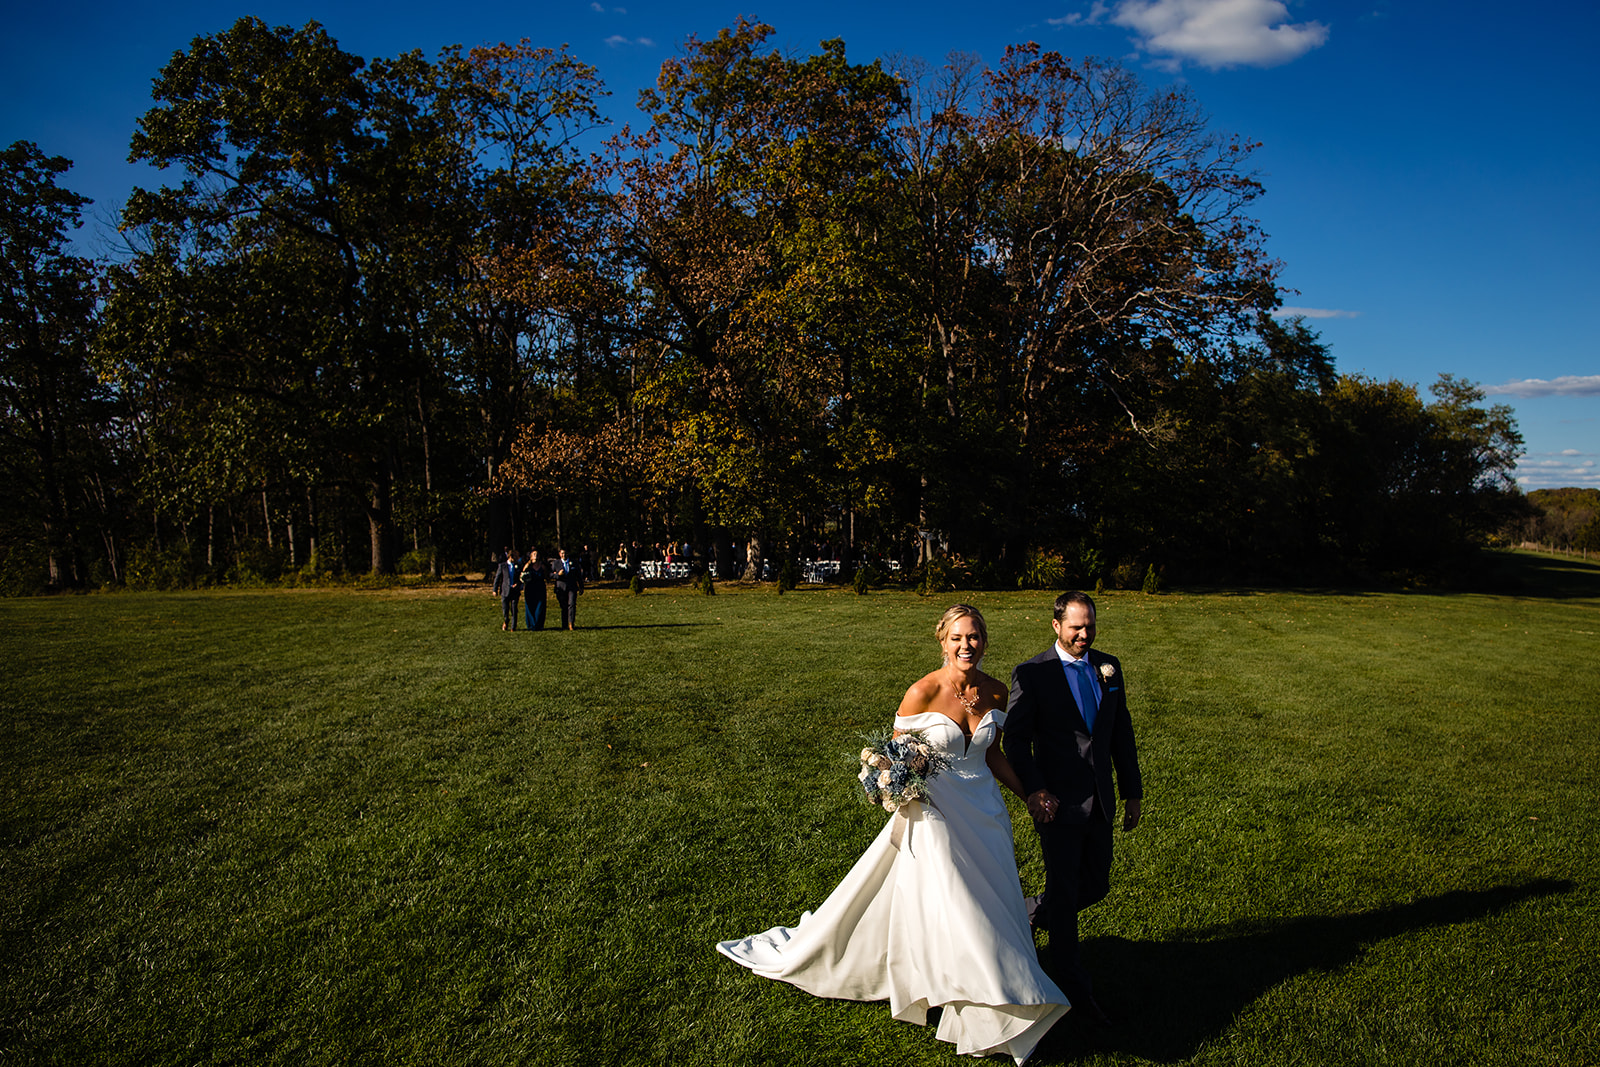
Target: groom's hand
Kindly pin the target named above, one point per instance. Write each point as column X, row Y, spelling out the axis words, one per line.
column 1042, row 805
column 1130, row 814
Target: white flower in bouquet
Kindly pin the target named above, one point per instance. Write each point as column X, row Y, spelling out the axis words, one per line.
column 895, row 770
column 1107, row 672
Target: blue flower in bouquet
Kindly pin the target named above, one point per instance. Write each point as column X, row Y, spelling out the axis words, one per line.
column 895, row 770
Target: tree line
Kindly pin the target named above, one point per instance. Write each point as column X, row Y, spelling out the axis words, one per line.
column 397, row 313
column 1567, row 520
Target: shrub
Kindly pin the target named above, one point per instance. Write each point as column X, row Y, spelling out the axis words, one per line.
column 1125, row 575
column 1042, row 570
column 858, row 581
column 788, row 575
column 705, row 584
column 937, row 577
column 1152, row 581
column 255, row 564
column 636, row 585
column 1092, row 564
column 417, row 561
column 170, row 568
column 985, row 574
column 22, row 571
column 316, row 570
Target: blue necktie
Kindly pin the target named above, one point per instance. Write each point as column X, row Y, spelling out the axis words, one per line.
column 1083, row 688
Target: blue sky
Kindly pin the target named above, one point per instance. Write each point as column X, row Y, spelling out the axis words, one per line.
column 1430, row 166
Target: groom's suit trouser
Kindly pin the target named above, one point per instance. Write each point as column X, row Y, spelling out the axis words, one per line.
column 1077, row 868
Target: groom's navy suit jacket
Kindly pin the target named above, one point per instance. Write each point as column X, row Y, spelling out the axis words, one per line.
column 1049, row 745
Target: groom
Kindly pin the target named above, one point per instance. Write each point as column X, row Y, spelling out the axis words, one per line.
column 1067, row 728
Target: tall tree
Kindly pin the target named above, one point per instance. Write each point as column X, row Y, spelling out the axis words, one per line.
column 54, row 413
column 746, row 212
column 524, row 291
column 325, row 213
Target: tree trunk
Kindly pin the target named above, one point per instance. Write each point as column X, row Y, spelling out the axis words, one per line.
column 499, row 523
column 311, row 526
column 53, row 566
column 924, row 541
column 427, row 478
column 380, row 520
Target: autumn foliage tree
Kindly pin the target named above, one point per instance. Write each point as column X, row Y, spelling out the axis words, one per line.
column 1018, row 317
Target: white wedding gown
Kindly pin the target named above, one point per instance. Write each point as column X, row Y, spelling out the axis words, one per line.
column 938, row 922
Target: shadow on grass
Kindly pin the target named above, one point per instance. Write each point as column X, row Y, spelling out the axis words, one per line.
column 1535, row 574
column 1170, row 997
column 1497, row 572
column 645, row 625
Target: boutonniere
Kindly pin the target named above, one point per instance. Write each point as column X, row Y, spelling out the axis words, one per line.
column 1107, row 672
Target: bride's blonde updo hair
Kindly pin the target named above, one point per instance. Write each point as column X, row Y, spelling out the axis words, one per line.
column 960, row 611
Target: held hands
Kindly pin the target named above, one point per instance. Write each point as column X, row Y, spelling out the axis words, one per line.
column 1043, row 807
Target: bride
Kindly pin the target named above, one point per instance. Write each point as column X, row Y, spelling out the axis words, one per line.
column 933, row 916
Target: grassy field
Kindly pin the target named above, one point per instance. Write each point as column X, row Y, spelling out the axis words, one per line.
column 369, row 828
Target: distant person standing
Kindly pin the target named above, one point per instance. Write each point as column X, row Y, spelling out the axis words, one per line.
column 508, row 586
column 533, row 590
column 568, row 583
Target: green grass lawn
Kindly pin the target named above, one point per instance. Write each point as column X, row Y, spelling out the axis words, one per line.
column 345, row 827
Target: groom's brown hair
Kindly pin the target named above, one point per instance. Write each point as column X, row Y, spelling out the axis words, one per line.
column 1073, row 597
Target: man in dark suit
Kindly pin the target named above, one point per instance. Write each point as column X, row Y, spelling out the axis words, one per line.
column 508, row 585
column 568, row 580
column 1067, row 728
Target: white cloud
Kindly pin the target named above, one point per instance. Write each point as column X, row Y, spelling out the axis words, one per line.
column 598, row 7
column 1553, row 470
column 1095, row 17
column 1216, row 33
column 616, row 40
column 1566, row 385
column 1315, row 313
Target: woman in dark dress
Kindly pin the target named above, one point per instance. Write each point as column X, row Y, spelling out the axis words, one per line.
column 533, row 593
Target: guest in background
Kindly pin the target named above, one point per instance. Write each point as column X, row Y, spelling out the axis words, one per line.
column 568, row 583
column 533, row 590
column 508, row 586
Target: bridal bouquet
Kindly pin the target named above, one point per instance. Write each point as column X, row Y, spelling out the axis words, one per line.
column 895, row 770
